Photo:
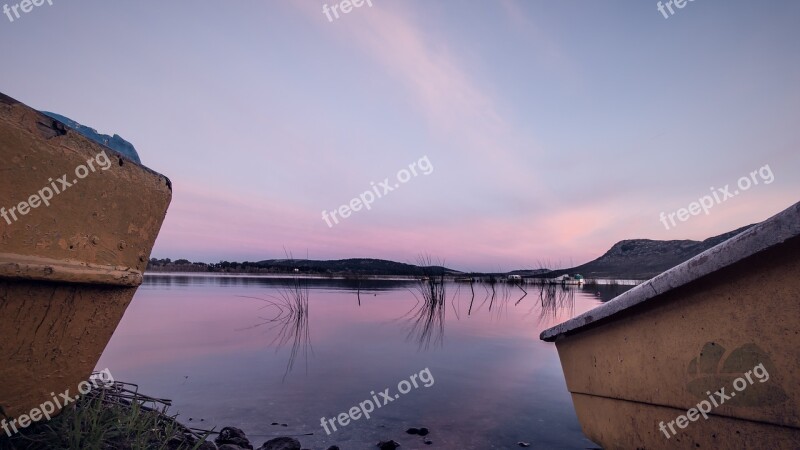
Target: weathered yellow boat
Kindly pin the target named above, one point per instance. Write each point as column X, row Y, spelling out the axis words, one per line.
column 705, row 355
column 77, row 224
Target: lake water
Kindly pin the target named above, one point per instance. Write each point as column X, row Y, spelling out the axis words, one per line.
column 222, row 352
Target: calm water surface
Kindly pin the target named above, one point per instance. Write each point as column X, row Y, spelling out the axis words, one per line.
column 223, row 354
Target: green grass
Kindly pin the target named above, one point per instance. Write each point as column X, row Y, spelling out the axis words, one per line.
column 108, row 418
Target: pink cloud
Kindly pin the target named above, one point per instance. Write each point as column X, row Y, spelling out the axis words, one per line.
column 457, row 108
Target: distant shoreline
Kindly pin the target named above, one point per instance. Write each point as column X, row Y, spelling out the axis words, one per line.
column 283, row 276
column 410, row 278
column 628, row 260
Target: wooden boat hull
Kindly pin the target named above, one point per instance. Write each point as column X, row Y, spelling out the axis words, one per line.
column 640, row 367
column 68, row 270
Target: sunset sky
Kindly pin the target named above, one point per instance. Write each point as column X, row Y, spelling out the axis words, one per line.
column 554, row 129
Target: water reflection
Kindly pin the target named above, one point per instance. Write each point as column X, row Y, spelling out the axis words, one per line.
column 606, row 292
column 556, row 300
column 289, row 322
column 162, row 281
column 498, row 295
column 426, row 319
column 286, row 316
column 222, row 340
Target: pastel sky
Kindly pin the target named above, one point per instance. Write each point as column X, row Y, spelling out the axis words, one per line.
column 554, row 128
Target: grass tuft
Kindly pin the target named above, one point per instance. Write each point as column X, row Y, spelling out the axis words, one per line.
column 112, row 417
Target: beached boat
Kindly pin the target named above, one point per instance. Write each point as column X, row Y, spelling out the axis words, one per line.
column 77, row 224
column 717, row 336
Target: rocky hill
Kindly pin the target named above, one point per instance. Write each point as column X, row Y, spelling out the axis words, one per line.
column 640, row 259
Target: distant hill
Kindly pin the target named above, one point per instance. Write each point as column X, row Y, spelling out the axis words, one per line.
column 340, row 267
column 364, row 266
column 635, row 259
column 640, row 259
column 530, row 272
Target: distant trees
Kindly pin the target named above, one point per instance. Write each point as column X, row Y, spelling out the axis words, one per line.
column 354, row 268
column 179, row 265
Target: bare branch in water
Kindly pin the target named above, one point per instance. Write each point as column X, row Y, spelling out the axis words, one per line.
column 427, row 318
column 290, row 320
